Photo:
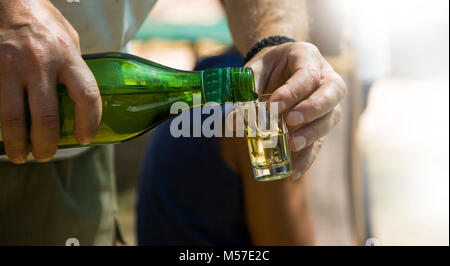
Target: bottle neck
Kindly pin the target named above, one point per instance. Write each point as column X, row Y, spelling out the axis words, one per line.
column 228, row 85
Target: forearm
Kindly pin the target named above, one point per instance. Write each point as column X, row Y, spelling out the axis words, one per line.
column 253, row 20
column 276, row 212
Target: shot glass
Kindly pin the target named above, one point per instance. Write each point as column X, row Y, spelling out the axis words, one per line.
column 267, row 137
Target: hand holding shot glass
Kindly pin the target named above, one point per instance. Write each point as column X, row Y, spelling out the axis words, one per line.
column 267, row 137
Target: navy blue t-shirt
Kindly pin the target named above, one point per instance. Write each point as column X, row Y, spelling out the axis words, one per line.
column 187, row 194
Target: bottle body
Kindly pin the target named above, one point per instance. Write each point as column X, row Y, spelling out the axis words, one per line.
column 124, row 117
column 137, row 95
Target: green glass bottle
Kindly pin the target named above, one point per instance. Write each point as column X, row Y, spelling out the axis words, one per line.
column 137, row 95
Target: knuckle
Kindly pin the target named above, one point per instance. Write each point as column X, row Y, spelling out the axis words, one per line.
column 314, row 75
column 328, row 98
column 68, row 43
column 316, row 103
column 337, row 114
column 319, row 143
column 87, row 94
column 50, row 121
column 309, row 47
column 74, row 34
column 342, row 87
column 36, row 50
column 70, row 30
column 295, row 50
column 13, row 122
column 311, row 136
column 90, row 94
column 292, row 93
column 8, row 54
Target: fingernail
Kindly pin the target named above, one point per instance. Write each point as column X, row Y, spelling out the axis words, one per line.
column 296, row 176
column 43, row 157
column 295, row 118
column 18, row 160
column 85, row 142
column 44, row 160
column 299, row 142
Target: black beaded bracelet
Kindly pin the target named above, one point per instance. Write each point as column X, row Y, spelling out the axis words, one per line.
column 266, row 42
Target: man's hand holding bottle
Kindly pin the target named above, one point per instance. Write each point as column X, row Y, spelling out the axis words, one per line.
column 39, row 49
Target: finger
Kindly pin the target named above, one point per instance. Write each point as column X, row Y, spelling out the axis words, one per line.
column 83, row 90
column 304, row 62
column 260, row 75
column 302, row 83
column 311, row 132
column 13, row 120
column 303, row 160
column 267, row 66
column 322, row 101
column 43, row 102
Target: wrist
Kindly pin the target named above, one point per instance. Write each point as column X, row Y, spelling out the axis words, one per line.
column 264, row 43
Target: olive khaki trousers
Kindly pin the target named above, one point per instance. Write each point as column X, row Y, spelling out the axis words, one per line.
column 51, row 203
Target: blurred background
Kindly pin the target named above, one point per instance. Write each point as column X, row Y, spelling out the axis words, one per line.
column 383, row 173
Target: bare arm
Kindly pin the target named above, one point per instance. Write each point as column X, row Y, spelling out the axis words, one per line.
column 251, row 21
column 276, row 212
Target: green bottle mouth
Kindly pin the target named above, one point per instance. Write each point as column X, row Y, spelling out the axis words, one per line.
column 242, row 84
column 222, row 85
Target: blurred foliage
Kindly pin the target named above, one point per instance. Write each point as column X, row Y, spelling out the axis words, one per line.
column 154, row 29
